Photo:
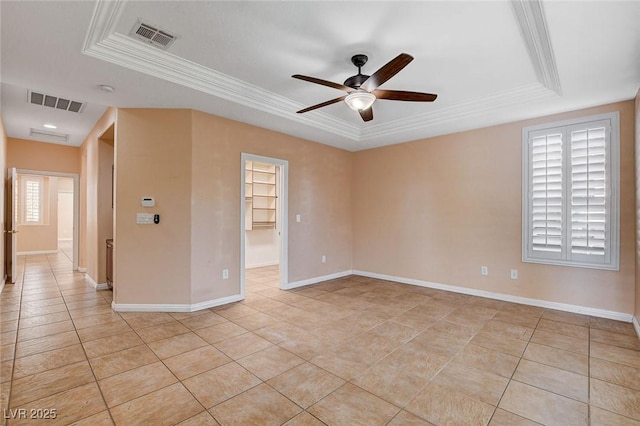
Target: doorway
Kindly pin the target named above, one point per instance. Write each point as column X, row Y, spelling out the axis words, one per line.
column 46, row 210
column 263, row 239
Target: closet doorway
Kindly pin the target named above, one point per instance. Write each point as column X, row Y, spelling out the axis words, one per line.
column 263, row 225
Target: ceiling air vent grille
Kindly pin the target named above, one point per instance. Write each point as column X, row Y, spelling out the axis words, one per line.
column 51, row 136
column 152, row 35
column 54, row 102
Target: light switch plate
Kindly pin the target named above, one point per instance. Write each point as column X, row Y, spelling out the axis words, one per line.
column 144, row 218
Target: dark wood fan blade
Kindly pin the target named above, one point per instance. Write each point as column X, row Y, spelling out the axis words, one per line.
column 401, row 95
column 323, row 82
column 332, row 101
column 392, row 68
column 366, row 114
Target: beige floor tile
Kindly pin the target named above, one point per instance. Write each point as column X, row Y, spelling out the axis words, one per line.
column 44, row 361
column 476, row 383
column 46, row 343
column 119, row 362
column 255, row 321
column 564, row 328
column 527, row 320
column 175, row 345
column 567, row 317
column 146, row 319
column 90, row 311
column 561, row 341
column 304, row 419
column 392, row 383
column 558, row 358
column 438, row 343
column 44, row 319
column 96, row 332
column 220, row 332
column 405, row 418
column 94, row 320
column 108, row 345
column 202, row 419
column 201, row 321
column 306, row 384
column 618, row 374
column 70, row 405
column 507, row 329
column 242, row 345
column 169, row 405
column 45, row 330
column 46, row 383
column 615, row 398
column 234, row 311
column 344, row 363
column 101, row 419
column 603, row 417
column 220, row 384
column 440, row 405
column 192, row 363
column 553, row 379
column 352, row 405
column 132, row 384
column 485, row 359
column 500, row 343
column 163, row 331
column 615, row 339
column 612, row 325
column 542, row 406
column 615, row 354
column 505, row 418
column 259, row 406
column 270, row 362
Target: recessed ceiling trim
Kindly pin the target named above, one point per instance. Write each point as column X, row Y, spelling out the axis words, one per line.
column 533, row 27
column 104, row 43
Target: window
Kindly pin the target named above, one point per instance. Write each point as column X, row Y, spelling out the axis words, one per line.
column 570, row 192
column 32, row 199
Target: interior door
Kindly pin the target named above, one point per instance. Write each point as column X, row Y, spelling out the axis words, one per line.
column 10, row 225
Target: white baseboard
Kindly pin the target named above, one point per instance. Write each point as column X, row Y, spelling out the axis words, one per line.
column 595, row 312
column 134, row 307
column 261, row 265
column 316, row 280
column 65, row 239
column 82, row 270
column 636, row 325
column 4, row 280
column 34, row 252
column 101, row 286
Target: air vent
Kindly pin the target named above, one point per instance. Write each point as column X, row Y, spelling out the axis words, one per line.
column 152, row 35
column 51, row 136
column 54, row 102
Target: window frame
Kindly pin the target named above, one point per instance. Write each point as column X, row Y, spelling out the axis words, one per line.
column 23, row 198
column 611, row 259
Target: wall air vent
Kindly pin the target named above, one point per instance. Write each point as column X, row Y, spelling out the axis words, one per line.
column 152, row 35
column 47, row 135
column 54, row 102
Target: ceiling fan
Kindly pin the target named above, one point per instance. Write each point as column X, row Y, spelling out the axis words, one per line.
column 362, row 90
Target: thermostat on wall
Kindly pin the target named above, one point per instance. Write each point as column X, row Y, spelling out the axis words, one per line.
column 148, row 202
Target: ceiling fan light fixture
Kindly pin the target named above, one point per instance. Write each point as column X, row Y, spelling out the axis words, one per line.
column 360, row 100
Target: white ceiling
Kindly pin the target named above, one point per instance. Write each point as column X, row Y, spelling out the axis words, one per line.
column 489, row 62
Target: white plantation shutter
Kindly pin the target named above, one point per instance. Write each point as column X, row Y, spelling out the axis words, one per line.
column 32, row 196
column 570, row 193
column 546, row 193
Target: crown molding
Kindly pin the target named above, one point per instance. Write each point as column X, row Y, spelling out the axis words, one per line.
column 103, row 42
column 533, row 27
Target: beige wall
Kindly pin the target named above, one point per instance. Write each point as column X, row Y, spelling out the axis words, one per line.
column 41, row 237
column 91, row 254
column 190, row 162
column 637, row 195
column 31, row 155
column 437, row 209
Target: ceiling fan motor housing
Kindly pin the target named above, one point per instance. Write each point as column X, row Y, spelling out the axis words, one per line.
column 356, row 81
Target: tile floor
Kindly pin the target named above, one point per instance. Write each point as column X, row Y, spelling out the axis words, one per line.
column 345, row 352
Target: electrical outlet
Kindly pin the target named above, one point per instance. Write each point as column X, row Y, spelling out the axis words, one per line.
column 484, row 270
column 324, row 259
column 225, row 274
column 514, row 274
column 298, row 218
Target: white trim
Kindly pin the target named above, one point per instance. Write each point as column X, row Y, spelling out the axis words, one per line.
column 4, row 280
column 262, row 265
column 283, row 206
column 92, row 283
column 636, row 325
column 82, row 270
column 34, row 252
column 595, row 312
column 533, row 27
column 65, row 239
column 316, row 280
column 150, row 307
